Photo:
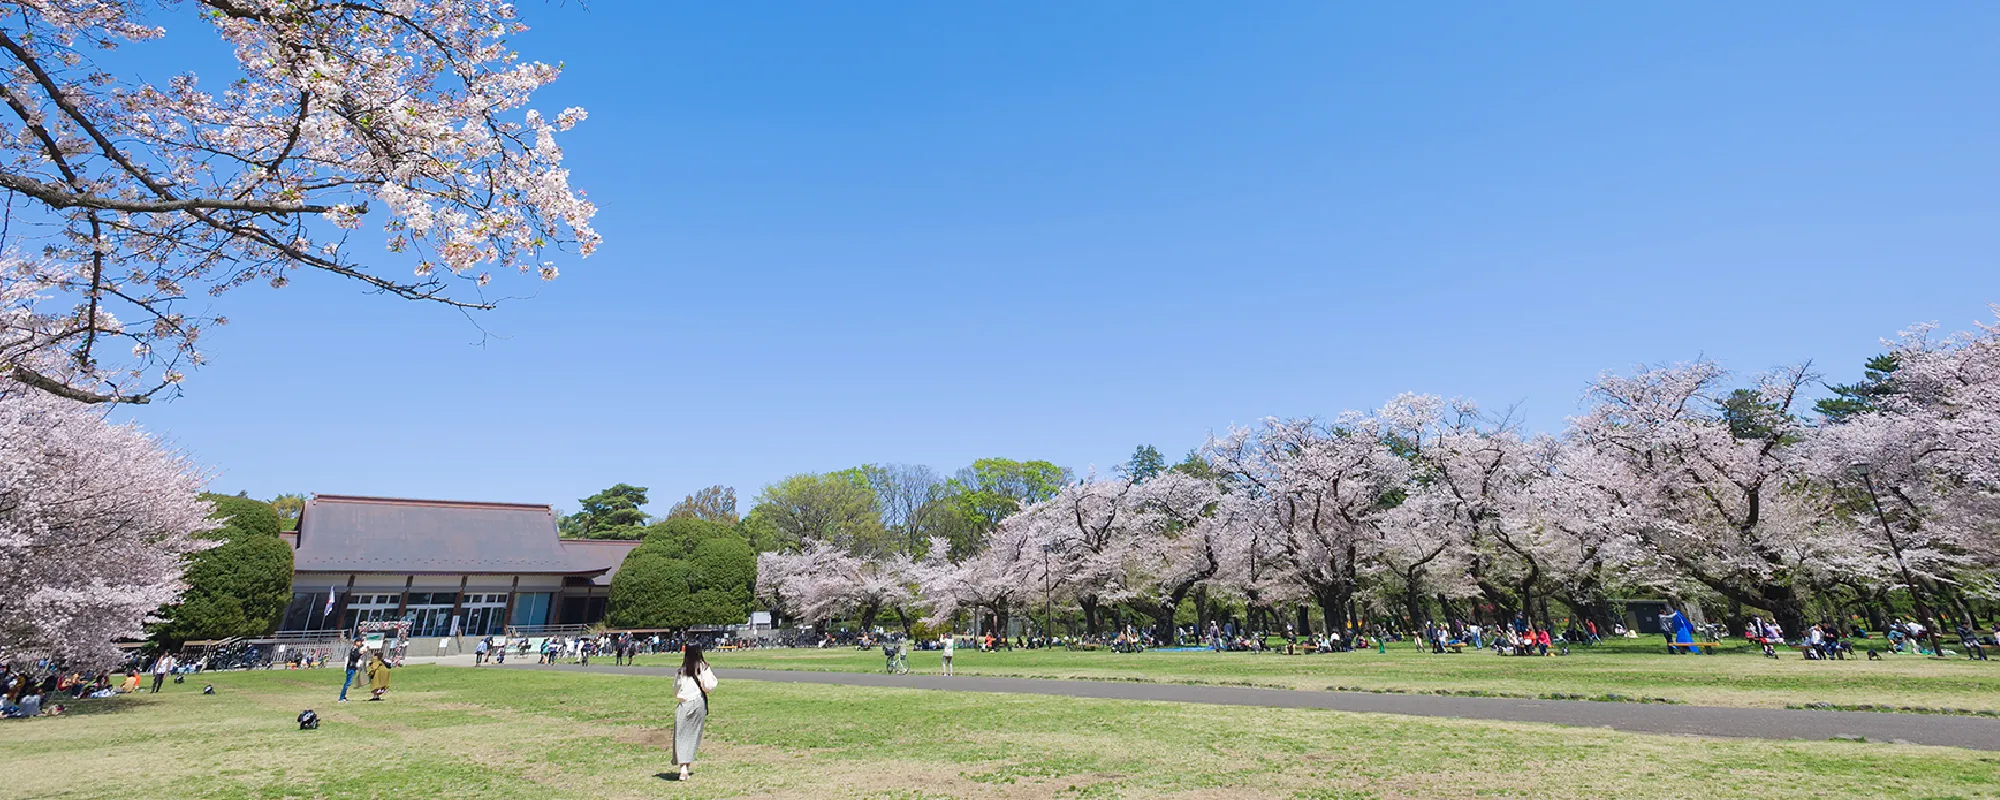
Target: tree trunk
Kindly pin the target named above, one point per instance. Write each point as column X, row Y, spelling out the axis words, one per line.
column 1872, row 606
column 1413, row 598
column 1163, row 621
column 1787, row 609
column 1201, row 615
column 1527, row 591
column 1089, row 604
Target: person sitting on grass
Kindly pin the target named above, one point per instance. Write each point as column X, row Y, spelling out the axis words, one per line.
column 1970, row 639
column 27, row 705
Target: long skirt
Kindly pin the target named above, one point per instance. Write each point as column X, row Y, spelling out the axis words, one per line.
column 688, row 719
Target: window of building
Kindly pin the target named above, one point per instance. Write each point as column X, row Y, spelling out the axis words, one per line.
column 372, row 607
column 485, row 614
column 530, row 608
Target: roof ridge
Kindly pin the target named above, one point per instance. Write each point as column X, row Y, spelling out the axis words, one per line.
column 407, row 501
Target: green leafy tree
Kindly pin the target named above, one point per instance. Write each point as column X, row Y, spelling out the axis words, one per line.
column 1878, row 382
column 1194, row 466
column 835, row 507
column 688, row 572
column 992, row 489
column 715, row 504
column 610, row 514
column 289, row 507
column 1145, row 463
column 762, row 534
column 1752, row 417
column 239, row 588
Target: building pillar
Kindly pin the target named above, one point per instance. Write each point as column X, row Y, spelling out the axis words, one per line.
column 403, row 600
column 507, row 614
column 346, row 597
column 458, row 606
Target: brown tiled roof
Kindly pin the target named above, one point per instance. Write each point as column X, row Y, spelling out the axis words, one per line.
column 346, row 533
column 599, row 554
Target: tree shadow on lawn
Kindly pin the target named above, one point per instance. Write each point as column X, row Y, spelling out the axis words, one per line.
column 86, row 707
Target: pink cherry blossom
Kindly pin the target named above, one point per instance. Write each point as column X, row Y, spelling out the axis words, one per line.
column 140, row 198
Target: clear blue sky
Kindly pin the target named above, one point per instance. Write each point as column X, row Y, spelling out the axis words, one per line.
column 927, row 233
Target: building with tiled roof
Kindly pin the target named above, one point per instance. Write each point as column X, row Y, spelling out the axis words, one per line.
column 446, row 566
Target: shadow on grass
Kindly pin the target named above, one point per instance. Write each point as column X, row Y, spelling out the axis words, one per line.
column 668, row 776
column 86, row 707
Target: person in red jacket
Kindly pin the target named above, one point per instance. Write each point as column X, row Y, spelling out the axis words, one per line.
column 1541, row 641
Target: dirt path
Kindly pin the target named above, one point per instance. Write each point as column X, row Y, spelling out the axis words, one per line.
column 1978, row 733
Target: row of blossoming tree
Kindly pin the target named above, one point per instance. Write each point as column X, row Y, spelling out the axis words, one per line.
column 1673, row 482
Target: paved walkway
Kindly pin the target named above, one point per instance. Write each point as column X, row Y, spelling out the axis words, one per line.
column 1978, row 733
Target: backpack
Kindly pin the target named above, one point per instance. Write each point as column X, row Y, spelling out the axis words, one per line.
column 308, row 721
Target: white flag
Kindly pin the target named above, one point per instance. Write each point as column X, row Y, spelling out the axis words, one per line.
column 330, row 592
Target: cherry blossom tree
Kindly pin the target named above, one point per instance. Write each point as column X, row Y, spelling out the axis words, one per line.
column 998, row 579
column 1706, row 474
column 1324, row 488
column 1194, row 528
column 128, row 198
column 1092, row 530
column 96, row 524
column 780, row 584
column 1915, row 478
column 840, row 583
column 1579, row 540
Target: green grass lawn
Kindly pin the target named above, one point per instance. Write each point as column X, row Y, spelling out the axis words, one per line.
column 496, row 734
column 1738, row 675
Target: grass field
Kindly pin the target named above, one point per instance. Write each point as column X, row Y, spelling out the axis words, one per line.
column 1736, row 676
column 460, row 733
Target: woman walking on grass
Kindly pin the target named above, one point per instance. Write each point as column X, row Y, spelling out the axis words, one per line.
column 378, row 676
column 691, row 687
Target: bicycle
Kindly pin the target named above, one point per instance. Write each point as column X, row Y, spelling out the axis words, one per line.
column 895, row 660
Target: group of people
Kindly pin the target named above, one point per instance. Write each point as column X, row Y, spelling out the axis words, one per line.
column 623, row 648
column 1830, row 641
column 377, row 668
column 37, row 690
column 23, row 694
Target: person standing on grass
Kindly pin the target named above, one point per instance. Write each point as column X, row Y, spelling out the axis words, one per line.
column 378, row 676
column 950, row 644
column 161, row 667
column 691, row 687
column 353, row 666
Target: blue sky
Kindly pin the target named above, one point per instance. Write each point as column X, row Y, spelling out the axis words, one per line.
column 866, row 232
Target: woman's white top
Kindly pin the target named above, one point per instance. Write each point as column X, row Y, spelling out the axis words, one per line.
column 685, row 688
